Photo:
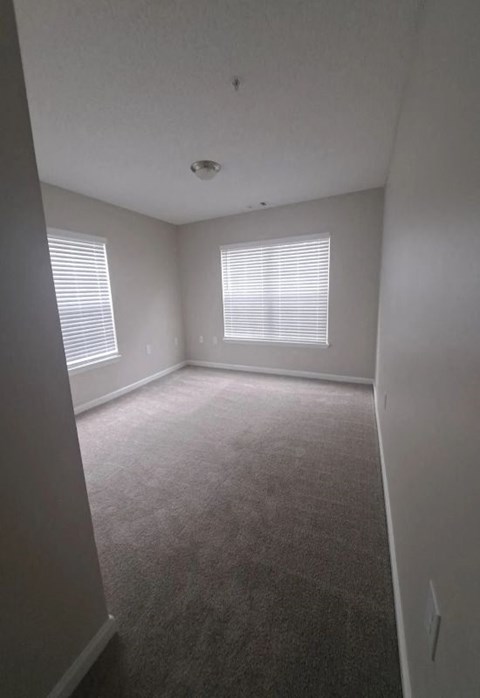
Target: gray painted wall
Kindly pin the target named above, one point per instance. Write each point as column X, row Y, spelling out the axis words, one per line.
column 142, row 257
column 429, row 348
column 355, row 224
column 51, row 594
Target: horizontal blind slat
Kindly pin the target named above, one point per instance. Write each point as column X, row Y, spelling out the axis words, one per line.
column 277, row 291
column 82, row 287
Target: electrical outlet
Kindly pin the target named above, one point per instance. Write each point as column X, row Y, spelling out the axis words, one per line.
column 432, row 620
column 200, row 339
column 175, row 341
column 148, row 349
column 214, row 340
column 385, row 401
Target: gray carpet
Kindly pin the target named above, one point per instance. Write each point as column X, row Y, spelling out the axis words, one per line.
column 241, row 530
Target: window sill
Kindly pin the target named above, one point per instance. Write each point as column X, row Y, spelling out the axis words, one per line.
column 98, row 363
column 270, row 343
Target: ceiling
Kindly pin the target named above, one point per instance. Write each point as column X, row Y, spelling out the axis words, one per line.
column 125, row 94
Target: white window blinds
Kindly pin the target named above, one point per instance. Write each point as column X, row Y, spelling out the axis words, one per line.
column 277, row 291
column 82, row 286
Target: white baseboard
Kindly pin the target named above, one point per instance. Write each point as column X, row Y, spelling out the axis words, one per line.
column 127, row 389
column 402, row 643
column 85, row 660
column 282, row 372
column 209, row 364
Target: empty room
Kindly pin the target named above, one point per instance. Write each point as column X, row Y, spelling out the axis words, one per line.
column 240, row 348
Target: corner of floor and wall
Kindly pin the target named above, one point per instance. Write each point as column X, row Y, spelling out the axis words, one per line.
column 143, row 263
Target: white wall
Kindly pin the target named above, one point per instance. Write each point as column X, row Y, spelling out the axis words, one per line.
column 51, row 594
column 429, row 348
column 355, row 224
column 142, row 256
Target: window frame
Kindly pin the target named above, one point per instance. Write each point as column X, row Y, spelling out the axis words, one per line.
column 88, row 364
column 274, row 241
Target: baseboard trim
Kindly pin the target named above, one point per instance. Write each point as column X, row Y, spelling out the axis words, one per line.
column 402, row 643
column 282, row 372
column 85, row 660
column 127, row 389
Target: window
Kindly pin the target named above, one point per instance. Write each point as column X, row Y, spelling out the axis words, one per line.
column 277, row 290
column 82, row 286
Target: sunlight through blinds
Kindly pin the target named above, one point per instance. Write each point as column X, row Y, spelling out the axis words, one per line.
column 277, row 291
column 82, row 287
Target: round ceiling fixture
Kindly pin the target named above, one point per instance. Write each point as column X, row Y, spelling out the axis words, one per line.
column 205, row 169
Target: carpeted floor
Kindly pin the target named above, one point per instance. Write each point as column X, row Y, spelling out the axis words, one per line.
column 241, row 530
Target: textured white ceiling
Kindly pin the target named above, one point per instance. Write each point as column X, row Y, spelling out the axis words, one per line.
column 125, row 94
